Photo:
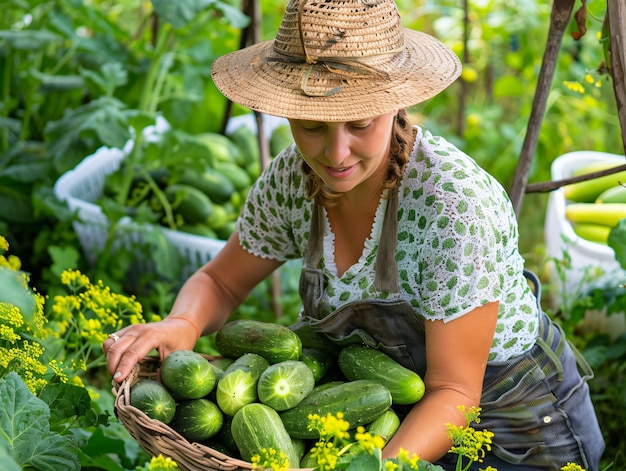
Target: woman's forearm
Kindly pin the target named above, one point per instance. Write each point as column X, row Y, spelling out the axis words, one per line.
column 424, row 431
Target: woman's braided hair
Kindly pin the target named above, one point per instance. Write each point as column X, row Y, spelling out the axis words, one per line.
column 402, row 136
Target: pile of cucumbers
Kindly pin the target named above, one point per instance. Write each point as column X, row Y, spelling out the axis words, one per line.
column 193, row 183
column 595, row 206
column 267, row 382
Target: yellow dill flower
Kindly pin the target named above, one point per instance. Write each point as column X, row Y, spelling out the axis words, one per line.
column 390, row 466
column 488, row 468
column 406, row 460
column 367, row 441
column 330, row 426
column 24, row 359
column 161, row 463
column 74, row 280
column 572, row 467
column 8, row 334
column 4, row 244
column 574, row 86
column 269, row 458
column 11, row 316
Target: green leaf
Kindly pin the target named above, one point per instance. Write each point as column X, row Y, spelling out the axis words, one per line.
column 65, row 401
column 81, row 131
column 24, row 421
column 235, row 17
column 168, row 261
column 617, row 241
column 181, row 12
column 365, row 462
column 8, row 463
column 63, row 258
column 110, row 76
column 57, row 83
column 15, row 291
column 28, row 40
column 16, row 206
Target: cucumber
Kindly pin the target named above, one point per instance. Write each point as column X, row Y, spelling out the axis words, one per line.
column 225, row 435
column 238, row 385
column 318, row 360
column 153, row 399
column 284, row 385
column 608, row 214
column 221, row 363
column 221, row 148
column 598, row 233
column 197, row 419
column 361, row 362
column 313, row 339
column 615, row 194
column 361, row 402
column 199, row 229
column 385, row 426
column 280, row 139
column 187, row 374
column 240, row 179
column 248, row 143
column 274, row 342
column 193, row 205
column 256, row 427
column 212, row 183
column 587, row 191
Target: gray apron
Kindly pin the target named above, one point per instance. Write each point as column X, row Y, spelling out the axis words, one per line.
column 389, row 325
column 538, row 418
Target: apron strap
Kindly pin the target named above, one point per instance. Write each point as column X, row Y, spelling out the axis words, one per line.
column 386, row 269
column 315, row 245
column 386, row 278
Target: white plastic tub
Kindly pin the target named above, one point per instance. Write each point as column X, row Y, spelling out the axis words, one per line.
column 591, row 264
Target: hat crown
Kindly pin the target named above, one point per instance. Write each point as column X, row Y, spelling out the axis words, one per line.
column 317, row 29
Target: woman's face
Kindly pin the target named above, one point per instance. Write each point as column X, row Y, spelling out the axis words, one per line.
column 345, row 155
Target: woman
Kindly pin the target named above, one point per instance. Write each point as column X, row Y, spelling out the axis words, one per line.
column 408, row 245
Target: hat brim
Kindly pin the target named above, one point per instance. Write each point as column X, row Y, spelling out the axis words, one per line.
column 421, row 71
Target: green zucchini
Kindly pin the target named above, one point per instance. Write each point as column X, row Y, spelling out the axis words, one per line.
column 283, row 385
column 361, row 402
column 238, row 385
column 256, row 427
column 385, row 426
column 361, row 362
column 274, row 342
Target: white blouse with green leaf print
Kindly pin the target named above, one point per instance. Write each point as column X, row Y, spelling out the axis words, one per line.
column 457, row 240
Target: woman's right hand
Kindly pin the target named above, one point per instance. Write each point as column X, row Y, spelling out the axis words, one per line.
column 125, row 348
column 202, row 306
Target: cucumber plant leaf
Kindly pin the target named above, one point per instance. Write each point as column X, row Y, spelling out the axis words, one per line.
column 617, row 241
column 25, row 424
column 183, row 12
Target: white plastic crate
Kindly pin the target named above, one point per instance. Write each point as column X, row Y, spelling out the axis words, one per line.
column 560, row 236
column 84, row 184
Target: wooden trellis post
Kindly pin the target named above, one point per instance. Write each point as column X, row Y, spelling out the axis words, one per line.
column 560, row 16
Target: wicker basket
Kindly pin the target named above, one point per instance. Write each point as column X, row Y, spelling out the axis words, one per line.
column 157, row 438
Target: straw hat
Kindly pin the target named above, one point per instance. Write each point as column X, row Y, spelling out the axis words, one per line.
column 337, row 60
